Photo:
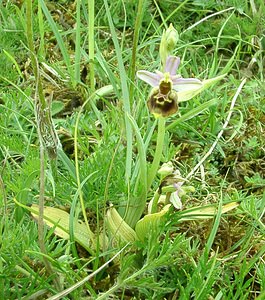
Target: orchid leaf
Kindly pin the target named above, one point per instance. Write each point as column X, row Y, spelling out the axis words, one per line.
column 205, row 212
column 59, row 219
column 118, row 228
column 150, row 222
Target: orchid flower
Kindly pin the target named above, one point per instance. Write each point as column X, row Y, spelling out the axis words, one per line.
column 175, row 197
column 167, row 87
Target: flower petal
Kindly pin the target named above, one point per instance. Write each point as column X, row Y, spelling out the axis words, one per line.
column 205, row 84
column 175, row 200
column 172, row 65
column 186, row 84
column 151, row 78
column 177, row 185
column 187, row 95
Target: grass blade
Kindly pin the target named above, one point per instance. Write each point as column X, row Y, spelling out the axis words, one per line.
column 136, row 205
column 60, row 41
column 125, row 94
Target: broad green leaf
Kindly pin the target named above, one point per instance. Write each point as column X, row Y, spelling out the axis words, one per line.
column 205, row 212
column 150, row 222
column 59, row 219
column 118, row 228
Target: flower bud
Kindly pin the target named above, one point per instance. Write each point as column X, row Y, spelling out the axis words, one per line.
column 168, row 189
column 172, row 38
column 165, row 170
column 168, row 43
column 189, row 189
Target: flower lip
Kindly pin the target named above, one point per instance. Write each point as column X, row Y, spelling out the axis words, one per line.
column 163, row 105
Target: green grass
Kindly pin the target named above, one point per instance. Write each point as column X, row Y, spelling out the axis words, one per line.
column 109, row 145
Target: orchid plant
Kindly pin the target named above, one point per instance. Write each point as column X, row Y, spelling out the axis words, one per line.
column 168, row 90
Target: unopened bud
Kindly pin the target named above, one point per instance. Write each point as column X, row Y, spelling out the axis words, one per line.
column 168, row 43
column 172, row 38
column 168, row 189
column 188, row 189
column 165, row 170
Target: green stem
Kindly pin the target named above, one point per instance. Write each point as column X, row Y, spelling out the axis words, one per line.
column 91, row 43
column 41, row 31
column 77, row 43
column 135, row 210
column 158, row 152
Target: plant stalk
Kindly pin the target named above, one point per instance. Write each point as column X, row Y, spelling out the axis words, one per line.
column 158, row 152
column 136, row 206
column 77, row 44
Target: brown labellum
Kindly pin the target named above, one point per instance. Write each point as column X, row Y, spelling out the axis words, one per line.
column 162, row 104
